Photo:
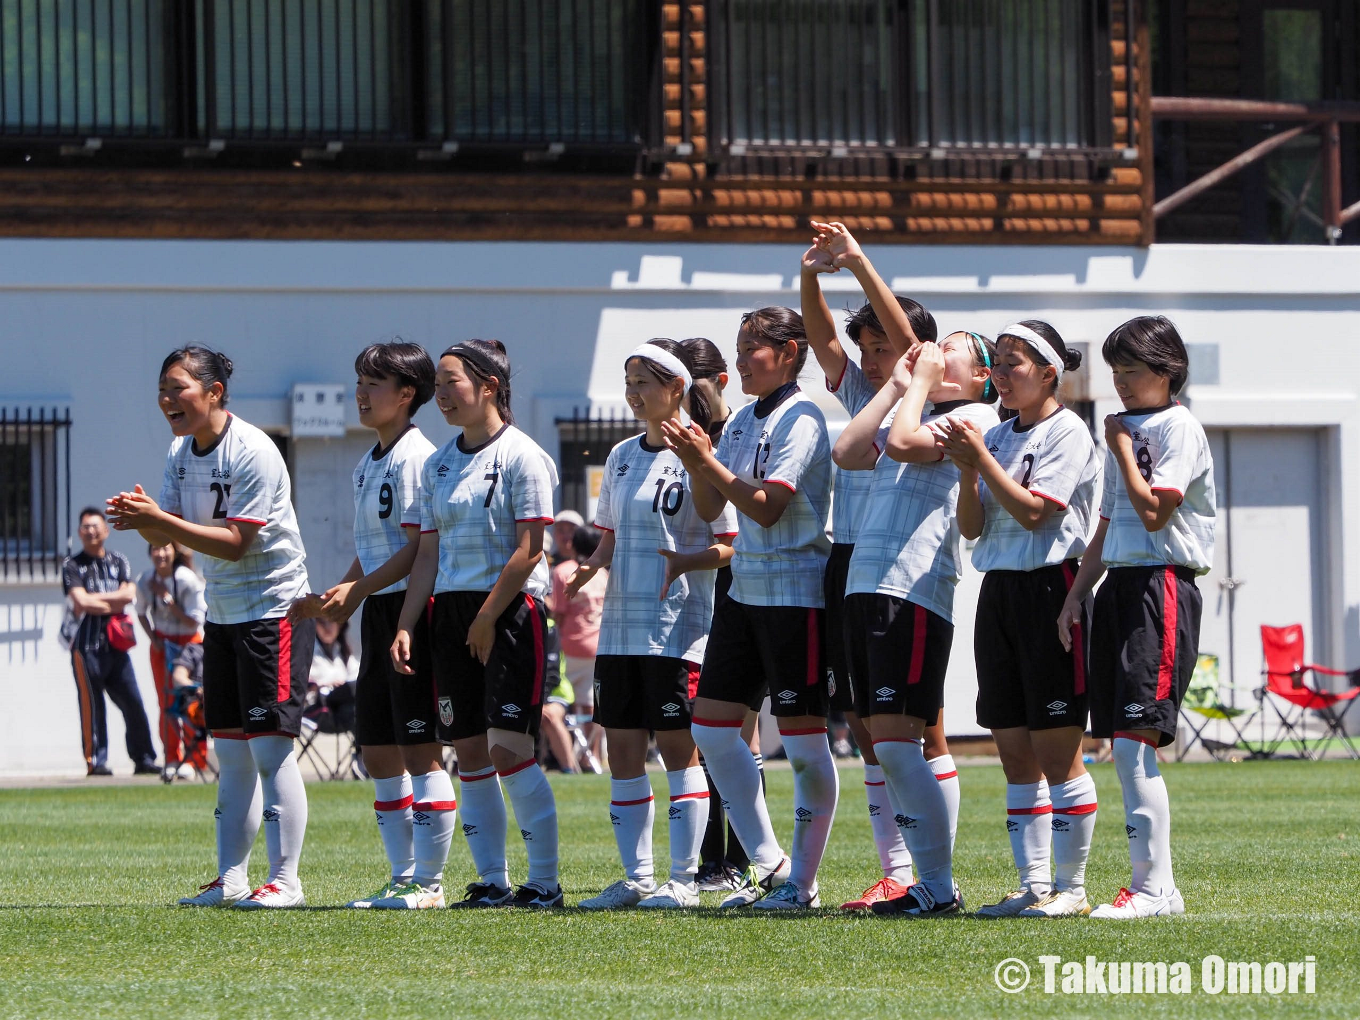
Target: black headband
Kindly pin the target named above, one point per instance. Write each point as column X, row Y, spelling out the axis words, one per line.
column 484, row 365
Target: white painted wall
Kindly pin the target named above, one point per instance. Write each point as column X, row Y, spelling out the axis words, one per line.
column 87, row 322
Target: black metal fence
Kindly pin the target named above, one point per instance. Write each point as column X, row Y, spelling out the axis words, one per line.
column 585, row 440
column 35, row 492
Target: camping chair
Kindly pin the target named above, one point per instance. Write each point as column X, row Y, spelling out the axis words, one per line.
column 186, row 710
column 1284, row 669
column 1214, row 704
column 325, row 715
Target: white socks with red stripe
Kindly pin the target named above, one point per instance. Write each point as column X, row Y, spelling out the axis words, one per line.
column 237, row 815
column 1147, row 815
column 433, row 814
column 392, row 806
column 1029, row 815
column 536, row 814
column 688, row 819
column 922, row 813
column 632, row 809
column 484, row 825
column 816, row 788
column 1074, row 823
column 893, row 854
column 285, row 807
column 735, row 775
column 947, row 775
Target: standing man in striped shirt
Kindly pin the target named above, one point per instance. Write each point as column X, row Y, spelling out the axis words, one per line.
column 98, row 585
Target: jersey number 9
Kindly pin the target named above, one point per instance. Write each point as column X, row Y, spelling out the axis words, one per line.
column 385, row 501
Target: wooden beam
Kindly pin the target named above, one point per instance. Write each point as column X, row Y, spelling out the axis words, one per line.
column 1238, row 162
column 1187, row 108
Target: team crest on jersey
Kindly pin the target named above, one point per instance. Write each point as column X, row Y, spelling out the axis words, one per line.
column 446, row 711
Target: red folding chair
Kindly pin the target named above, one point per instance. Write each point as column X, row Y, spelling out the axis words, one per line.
column 1284, row 670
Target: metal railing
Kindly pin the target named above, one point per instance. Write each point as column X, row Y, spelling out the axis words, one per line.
column 585, row 440
column 35, row 492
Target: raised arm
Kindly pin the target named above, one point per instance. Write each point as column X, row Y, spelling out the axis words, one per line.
column 909, row 441
column 137, row 511
column 837, row 241
column 817, row 320
column 856, row 448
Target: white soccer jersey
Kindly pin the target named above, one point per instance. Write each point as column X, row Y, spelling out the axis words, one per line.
column 475, row 498
column 1172, row 453
column 850, row 489
column 782, row 565
column 645, row 501
column 187, row 589
column 241, row 477
column 908, row 544
column 1056, row 459
column 387, row 500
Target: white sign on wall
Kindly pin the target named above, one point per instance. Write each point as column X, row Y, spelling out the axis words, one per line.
column 319, row 409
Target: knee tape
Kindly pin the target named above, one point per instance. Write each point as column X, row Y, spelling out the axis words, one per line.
column 519, row 744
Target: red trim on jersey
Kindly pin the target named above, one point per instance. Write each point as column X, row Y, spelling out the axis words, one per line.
column 248, row 520
column 631, row 803
column 394, row 805
column 725, row 534
column 948, row 775
column 814, row 649
column 531, row 520
column 536, row 625
column 1078, row 649
column 285, row 680
column 415, row 525
column 1180, row 496
column 1076, row 809
column 1052, row 499
column 696, row 721
column 801, row 733
column 435, row 805
column 701, row 795
column 840, row 378
column 518, row 768
column 1128, row 735
column 465, row 778
column 1043, row 809
column 918, row 645
column 876, row 449
column 1103, row 517
column 776, row 481
column 429, row 531
column 603, row 528
column 1167, row 669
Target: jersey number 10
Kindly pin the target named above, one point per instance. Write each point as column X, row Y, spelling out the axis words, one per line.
column 662, row 500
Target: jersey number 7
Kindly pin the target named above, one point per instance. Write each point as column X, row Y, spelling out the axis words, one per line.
column 493, row 477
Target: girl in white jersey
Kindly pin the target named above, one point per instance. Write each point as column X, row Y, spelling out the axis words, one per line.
column 773, row 464
column 227, row 495
column 656, row 547
column 1156, row 535
column 396, row 715
column 486, row 497
column 1027, row 488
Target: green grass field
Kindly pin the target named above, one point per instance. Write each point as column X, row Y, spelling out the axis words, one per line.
column 1267, row 855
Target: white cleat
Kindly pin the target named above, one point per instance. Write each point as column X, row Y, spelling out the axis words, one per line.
column 387, row 890
column 787, row 897
column 214, row 894
column 1060, row 903
column 272, row 897
column 754, row 884
column 1128, row 905
column 1011, row 904
column 622, row 894
column 411, row 896
column 672, row 895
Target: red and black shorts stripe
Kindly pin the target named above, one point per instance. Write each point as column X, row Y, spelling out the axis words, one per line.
column 898, row 653
column 644, row 692
column 751, row 648
column 255, row 675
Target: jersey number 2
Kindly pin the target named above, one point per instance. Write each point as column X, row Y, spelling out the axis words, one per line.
column 223, row 494
column 1028, row 461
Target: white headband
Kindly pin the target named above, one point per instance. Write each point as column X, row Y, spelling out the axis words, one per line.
column 664, row 358
column 1041, row 346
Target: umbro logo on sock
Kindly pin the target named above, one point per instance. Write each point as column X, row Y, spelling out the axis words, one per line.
column 1060, row 825
column 469, row 830
column 674, row 812
column 613, row 818
column 1012, row 825
column 528, row 836
column 271, row 814
column 905, row 821
column 217, row 812
column 1131, row 831
column 419, row 817
column 726, row 806
column 802, row 814
column 874, row 810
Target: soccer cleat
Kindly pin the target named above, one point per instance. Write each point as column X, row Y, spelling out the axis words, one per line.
column 272, row 897
column 533, row 897
column 917, row 902
column 753, row 886
column 98, row 770
column 387, row 890
column 214, row 894
column 1128, row 905
column 481, row 895
column 411, row 896
column 787, row 897
column 883, row 889
column 672, row 895
column 717, row 876
column 622, row 894
column 1012, row 903
column 1060, row 903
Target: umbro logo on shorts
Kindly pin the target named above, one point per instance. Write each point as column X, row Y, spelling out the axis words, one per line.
column 271, row 814
column 258, row 713
column 511, row 709
column 415, row 725
column 885, row 693
column 802, row 815
column 1131, row 831
column 671, row 708
column 1056, row 707
column 905, row 821
column 786, row 697
column 674, row 812
column 446, row 711
column 1133, row 709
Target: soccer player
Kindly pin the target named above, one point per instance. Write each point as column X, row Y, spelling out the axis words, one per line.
column 227, row 495
column 396, row 715
column 656, row 547
column 486, row 498
column 773, row 464
column 1155, row 536
column 1027, row 489
column 854, row 385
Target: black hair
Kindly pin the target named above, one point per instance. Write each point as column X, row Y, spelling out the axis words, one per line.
column 90, row 511
column 585, row 541
column 699, row 411
column 775, row 326
column 183, row 556
column 1153, row 340
column 922, row 322
column 703, row 358
column 203, row 364
column 984, row 356
column 486, row 360
column 1071, row 358
column 407, row 363
column 341, row 641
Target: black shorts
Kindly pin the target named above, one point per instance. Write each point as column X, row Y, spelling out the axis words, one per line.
column 1025, row 677
column 255, row 675
column 506, row 693
column 898, row 654
column 751, row 648
column 644, row 692
column 1144, row 643
column 391, row 707
column 842, row 692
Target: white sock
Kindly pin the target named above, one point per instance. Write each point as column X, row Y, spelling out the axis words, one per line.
column 1147, row 815
column 237, row 815
column 1029, row 814
column 1074, row 823
column 922, row 813
column 434, row 813
column 893, row 854
column 947, row 775
column 816, row 789
column 688, row 818
column 536, row 814
column 484, row 825
column 392, row 805
column 735, row 775
column 632, row 809
column 285, row 806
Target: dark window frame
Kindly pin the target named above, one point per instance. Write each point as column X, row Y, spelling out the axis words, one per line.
column 35, row 502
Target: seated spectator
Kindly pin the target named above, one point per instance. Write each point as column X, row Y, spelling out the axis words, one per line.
column 335, row 667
